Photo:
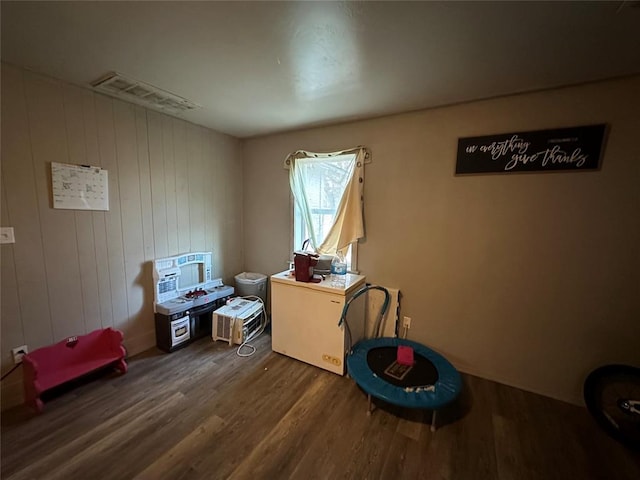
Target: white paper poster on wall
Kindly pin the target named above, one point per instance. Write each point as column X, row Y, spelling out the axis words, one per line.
column 79, row 187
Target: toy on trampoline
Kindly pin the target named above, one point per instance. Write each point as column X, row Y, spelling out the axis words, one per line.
column 400, row 371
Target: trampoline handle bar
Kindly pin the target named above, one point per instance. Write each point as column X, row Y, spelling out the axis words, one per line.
column 383, row 310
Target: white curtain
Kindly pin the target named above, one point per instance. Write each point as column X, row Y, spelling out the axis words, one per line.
column 348, row 223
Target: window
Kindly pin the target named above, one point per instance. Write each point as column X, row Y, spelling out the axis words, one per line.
column 327, row 201
column 326, row 182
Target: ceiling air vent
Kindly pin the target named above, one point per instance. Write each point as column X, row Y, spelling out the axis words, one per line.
column 142, row 93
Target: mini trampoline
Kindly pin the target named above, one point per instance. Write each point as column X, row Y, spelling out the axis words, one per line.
column 430, row 383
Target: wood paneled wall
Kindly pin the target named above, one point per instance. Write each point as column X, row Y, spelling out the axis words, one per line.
column 174, row 187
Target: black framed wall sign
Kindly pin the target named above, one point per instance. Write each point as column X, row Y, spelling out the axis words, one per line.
column 575, row 148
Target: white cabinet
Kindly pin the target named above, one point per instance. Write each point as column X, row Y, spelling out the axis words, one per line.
column 304, row 320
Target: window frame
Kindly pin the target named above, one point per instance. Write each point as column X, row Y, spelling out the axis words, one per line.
column 295, row 243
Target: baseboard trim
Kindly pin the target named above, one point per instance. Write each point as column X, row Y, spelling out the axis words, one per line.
column 12, row 393
column 139, row 343
column 574, row 400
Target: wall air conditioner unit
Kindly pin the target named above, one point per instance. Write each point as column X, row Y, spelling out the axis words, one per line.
column 135, row 91
column 237, row 321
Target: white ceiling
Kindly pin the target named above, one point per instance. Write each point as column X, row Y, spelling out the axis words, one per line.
column 263, row 67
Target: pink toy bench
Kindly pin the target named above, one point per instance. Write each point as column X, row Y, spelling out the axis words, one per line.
column 48, row 367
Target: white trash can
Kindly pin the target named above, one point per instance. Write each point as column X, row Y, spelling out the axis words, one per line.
column 248, row 283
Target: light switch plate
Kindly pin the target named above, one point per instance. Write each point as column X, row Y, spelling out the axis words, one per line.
column 6, row 235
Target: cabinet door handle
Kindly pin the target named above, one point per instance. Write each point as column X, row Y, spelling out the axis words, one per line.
column 335, row 301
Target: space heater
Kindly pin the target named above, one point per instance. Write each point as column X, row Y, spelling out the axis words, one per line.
column 237, row 321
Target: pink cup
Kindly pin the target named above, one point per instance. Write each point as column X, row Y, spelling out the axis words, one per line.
column 405, row 355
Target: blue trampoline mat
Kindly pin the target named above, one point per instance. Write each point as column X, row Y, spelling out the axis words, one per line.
column 445, row 389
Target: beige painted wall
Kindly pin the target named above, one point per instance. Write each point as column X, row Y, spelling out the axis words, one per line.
column 528, row 279
column 174, row 187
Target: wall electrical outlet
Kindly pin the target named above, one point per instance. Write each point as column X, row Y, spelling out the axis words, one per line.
column 18, row 353
column 6, row 235
column 406, row 322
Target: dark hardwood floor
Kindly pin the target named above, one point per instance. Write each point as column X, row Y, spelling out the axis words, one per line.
column 205, row 413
